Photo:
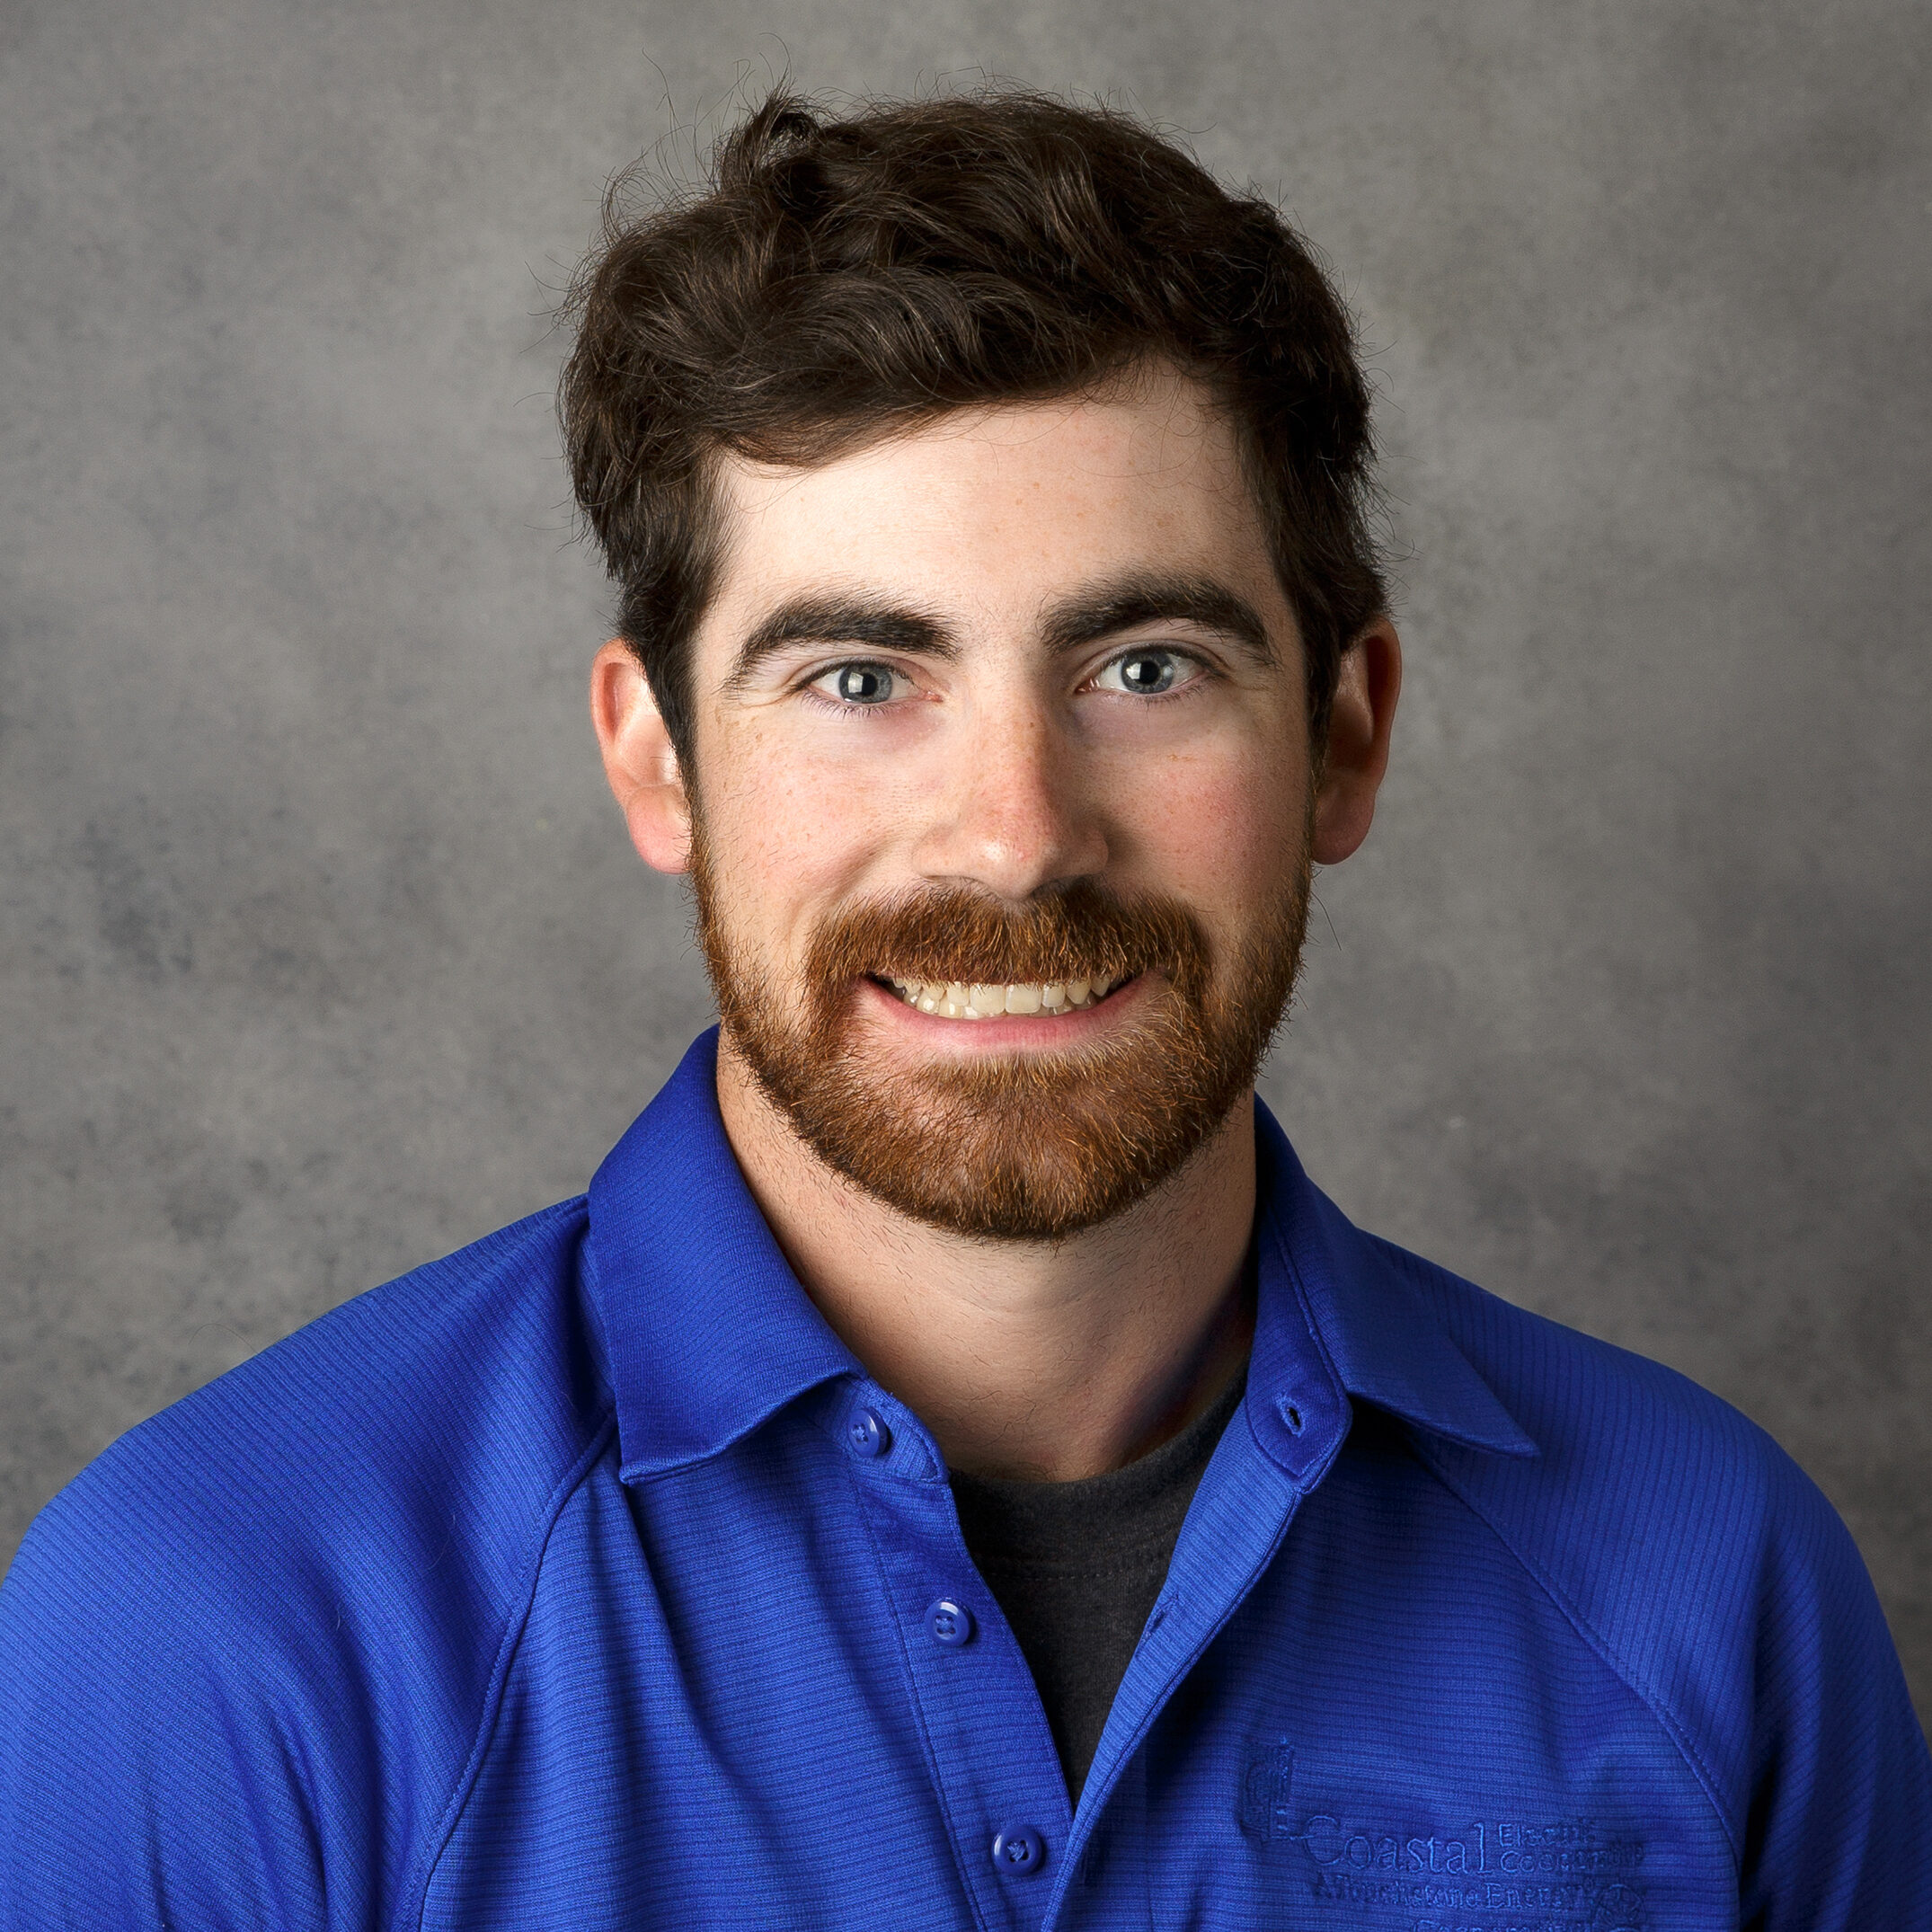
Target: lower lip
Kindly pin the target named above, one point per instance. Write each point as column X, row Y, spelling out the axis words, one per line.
column 1040, row 1032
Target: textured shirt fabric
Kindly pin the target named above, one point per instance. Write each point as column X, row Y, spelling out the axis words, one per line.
column 585, row 1580
column 1075, row 1568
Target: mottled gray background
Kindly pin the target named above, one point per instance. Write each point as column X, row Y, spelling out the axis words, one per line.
column 323, row 948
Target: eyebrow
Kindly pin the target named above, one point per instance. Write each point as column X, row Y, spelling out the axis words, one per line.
column 1157, row 597
column 1087, row 617
column 841, row 620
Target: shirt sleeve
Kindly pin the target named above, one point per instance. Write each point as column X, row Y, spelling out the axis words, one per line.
column 1839, row 1834
column 154, row 1771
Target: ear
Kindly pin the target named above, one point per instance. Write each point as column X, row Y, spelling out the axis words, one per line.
column 1357, row 752
column 639, row 759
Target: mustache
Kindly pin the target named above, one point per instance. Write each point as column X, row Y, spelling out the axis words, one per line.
column 1083, row 931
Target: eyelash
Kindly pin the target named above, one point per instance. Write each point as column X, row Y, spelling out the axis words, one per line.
column 839, row 707
column 1203, row 671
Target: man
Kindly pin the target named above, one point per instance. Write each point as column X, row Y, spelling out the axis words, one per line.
column 954, row 1470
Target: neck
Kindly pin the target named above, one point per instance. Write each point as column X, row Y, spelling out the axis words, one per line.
column 1043, row 1359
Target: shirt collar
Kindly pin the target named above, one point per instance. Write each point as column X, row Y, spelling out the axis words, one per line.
column 1323, row 1281
column 710, row 1333
column 708, row 1330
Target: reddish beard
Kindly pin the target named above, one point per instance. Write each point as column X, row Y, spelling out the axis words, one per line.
column 1035, row 1146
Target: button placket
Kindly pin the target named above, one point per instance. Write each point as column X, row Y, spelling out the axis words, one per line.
column 996, row 1775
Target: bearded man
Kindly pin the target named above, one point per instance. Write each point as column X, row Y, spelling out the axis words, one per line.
column 954, row 1469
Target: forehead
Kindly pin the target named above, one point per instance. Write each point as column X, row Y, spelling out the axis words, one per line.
column 999, row 511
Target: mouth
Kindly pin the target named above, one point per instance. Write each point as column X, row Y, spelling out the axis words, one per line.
column 1025, row 999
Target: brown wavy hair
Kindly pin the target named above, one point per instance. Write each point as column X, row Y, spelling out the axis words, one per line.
column 835, row 279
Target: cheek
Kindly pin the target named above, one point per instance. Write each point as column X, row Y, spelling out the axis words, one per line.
column 792, row 836
column 1223, row 832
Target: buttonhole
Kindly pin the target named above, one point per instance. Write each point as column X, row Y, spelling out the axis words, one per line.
column 1291, row 1416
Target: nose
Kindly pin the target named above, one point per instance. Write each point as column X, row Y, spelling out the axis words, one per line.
column 1011, row 814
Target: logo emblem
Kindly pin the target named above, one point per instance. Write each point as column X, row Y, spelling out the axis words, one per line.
column 1267, row 1810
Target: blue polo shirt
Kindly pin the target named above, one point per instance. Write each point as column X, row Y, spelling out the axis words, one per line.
column 585, row 1580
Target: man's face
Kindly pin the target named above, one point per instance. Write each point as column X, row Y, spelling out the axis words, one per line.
column 1005, row 713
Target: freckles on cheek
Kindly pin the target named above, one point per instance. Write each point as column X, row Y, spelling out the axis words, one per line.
column 1224, row 834
column 803, row 827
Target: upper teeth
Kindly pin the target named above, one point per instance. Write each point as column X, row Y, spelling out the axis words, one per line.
column 956, row 1001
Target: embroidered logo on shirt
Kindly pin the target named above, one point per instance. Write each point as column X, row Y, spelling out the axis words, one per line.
column 1491, row 1874
column 1267, row 1793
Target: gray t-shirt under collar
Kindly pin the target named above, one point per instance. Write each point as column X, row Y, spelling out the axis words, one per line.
column 1076, row 1567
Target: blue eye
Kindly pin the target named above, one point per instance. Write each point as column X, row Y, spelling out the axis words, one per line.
column 1144, row 673
column 860, row 684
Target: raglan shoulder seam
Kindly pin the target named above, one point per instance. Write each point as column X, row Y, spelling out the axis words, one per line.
column 415, row 1896
column 1666, row 1719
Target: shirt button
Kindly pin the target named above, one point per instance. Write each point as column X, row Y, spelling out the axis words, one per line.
column 951, row 1623
column 1019, row 1851
column 867, row 1433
